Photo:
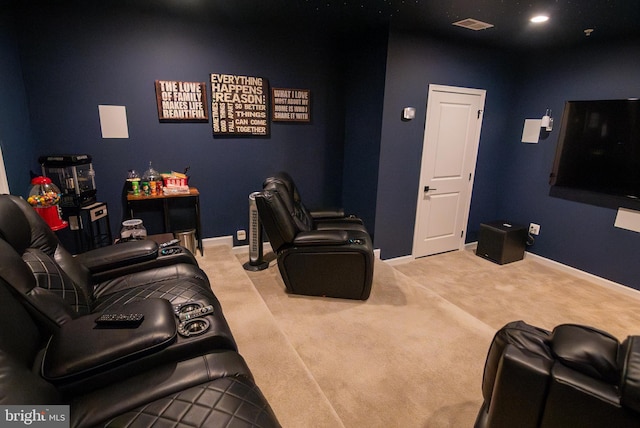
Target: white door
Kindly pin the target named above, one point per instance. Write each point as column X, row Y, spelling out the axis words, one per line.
column 449, row 152
column 4, row 184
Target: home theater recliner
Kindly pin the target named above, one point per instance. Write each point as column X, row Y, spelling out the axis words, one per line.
column 573, row 376
column 326, row 218
column 152, row 366
column 330, row 257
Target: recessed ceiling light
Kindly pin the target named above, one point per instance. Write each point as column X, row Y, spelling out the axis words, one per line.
column 539, row 18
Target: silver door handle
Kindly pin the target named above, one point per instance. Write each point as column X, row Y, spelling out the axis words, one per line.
column 427, row 188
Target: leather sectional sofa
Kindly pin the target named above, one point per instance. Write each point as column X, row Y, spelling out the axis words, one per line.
column 123, row 335
column 573, row 376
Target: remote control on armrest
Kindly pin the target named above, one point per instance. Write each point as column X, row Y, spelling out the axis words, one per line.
column 169, row 243
column 195, row 313
column 119, row 320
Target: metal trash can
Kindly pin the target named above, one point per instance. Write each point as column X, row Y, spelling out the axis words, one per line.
column 187, row 239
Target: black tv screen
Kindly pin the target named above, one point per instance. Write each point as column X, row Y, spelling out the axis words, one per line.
column 598, row 154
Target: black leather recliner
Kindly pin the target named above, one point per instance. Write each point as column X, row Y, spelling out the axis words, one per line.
column 573, row 376
column 335, row 261
column 158, row 370
column 62, row 274
column 212, row 388
column 102, row 263
column 326, row 218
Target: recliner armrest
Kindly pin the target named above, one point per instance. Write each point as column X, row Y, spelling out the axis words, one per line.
column 115, row 256
column 630, row 376
column 523, row 336
column 20, row 385
column 520, row 389
column 327, row 214
column 321, row 237
column 81, row 348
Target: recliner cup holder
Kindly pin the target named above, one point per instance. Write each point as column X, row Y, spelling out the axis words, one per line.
column 187, row 307
column 193, row 327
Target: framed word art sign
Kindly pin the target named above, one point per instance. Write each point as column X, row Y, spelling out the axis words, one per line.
column 290, row 105
column 182, row 101
column 239, row 105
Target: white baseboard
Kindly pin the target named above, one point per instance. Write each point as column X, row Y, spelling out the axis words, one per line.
column 471, row 245
column 240, row 249
column 244, row 249
column 631, row 292
column 406, row 259
column 399, row 260
column 219, row 240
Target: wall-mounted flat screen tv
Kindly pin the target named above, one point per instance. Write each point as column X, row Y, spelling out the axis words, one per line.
column 598, row 154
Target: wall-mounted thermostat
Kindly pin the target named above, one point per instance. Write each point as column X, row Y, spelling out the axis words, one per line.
column 409, row 113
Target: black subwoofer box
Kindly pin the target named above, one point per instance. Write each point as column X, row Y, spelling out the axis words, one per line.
column 501, row 242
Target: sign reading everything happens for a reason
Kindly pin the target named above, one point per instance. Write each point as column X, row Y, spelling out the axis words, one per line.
column 181, row 101
column 239, row 105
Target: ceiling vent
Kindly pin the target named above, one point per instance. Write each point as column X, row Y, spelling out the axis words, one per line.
column 473, row 24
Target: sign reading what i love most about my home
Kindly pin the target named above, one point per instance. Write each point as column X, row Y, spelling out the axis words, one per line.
column 290, row 105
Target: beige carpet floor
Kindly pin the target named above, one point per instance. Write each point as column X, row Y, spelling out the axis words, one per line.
column 282, row 376
column 527, row 290
column 410, row 356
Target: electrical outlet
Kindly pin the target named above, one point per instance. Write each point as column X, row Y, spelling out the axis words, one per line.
column 534, row 229
column 241, row 235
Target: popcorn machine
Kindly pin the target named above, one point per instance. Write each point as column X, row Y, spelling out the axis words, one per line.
column 74, row 176
column 88, row 220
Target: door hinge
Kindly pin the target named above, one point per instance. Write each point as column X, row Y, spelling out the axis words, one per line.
column 462, row 233
column 469, row 176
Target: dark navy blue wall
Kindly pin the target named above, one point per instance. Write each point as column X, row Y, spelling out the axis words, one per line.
column 572, row 233
column 15, row 131
column 365, row 67
column 414, row 62
column 73, row 60
column 511, row 179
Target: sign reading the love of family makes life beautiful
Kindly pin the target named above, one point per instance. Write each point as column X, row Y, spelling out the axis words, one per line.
column 239, row 105
column 290, row 105
column 181, row 101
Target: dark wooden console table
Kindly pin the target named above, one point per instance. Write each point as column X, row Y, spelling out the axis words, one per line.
column 193, row 195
